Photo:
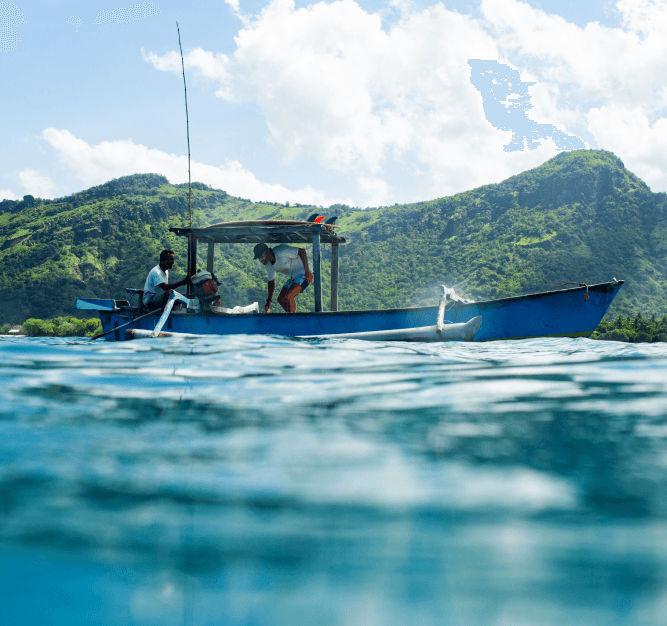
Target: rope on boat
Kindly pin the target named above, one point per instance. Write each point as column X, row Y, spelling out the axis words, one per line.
column 586, row 296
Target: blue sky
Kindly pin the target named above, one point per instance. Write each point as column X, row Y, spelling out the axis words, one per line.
column 366, row 103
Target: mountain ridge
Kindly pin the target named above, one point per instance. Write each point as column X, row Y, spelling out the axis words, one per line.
column 581, row 216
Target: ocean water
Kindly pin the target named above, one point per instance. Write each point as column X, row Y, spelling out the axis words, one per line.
column 268, row 481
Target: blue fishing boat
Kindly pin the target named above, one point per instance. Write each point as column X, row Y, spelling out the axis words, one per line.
column 567, row 312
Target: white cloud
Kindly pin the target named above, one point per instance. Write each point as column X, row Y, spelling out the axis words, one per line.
column 608, row 83
column 169, row 62
column 6, row 194
column 335, row 85
column 596, row 61
column 37, row 184
column 95, row 165
column 376, row 191
column 233, row 5
column 208, row 65
column 236, row 10
column 629, row 134
column 647, row 17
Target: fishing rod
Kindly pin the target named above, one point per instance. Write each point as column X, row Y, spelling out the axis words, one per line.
column 192, row 250
column 187, row 124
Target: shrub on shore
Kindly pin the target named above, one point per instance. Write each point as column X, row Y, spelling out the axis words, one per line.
column 637, row 329
column 62, row 327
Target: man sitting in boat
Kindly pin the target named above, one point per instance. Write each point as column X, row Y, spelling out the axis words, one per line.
column 157, row 287
column 286, row 260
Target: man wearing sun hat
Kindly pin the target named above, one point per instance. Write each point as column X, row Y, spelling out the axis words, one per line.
column 290, row 261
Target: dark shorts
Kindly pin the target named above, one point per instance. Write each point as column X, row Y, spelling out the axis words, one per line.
column 157, row 304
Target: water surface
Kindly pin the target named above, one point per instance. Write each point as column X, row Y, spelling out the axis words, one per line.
column 259, row 480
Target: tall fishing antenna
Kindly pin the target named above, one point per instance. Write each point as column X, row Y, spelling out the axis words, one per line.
column 187, row 125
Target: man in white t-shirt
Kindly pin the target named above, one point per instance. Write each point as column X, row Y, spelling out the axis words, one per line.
column 157, row 287
column 290, row 261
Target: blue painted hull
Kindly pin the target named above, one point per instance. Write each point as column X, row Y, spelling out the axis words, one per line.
column 565, row 313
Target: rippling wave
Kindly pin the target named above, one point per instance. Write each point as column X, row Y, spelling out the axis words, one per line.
column 265, row 480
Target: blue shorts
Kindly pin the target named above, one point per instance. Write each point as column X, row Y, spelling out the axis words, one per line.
column 297, row 280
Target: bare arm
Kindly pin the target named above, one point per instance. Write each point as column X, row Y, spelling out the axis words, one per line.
column 304, row 259
column 169, row 286
column 272, row 287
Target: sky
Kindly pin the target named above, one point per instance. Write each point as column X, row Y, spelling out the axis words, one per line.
column 361, row 102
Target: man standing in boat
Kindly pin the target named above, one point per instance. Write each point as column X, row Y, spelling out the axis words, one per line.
column 290, row 261
column 157, row 287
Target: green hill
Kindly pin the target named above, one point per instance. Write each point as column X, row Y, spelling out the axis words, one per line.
column 581, row 217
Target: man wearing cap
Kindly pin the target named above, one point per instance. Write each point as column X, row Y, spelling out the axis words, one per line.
column 290, row 261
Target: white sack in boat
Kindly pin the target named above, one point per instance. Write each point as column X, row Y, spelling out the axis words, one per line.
column 251, row 308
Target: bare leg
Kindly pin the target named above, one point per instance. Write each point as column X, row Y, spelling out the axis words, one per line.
column 293, row 292
column 282, row 299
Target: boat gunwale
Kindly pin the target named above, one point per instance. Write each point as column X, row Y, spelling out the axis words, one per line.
column 456, row 304
column 583, row 286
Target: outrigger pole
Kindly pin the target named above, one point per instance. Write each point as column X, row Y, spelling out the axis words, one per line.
column 192, row 245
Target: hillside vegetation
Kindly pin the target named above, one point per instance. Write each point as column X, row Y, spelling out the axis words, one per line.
column 580, row 217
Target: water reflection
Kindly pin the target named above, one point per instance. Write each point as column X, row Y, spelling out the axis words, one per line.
column 274, row 481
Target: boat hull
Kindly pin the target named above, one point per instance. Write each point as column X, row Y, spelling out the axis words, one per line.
column 563, row 313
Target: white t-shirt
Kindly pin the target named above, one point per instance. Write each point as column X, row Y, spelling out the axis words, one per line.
column 287, row 262
column 151, row 290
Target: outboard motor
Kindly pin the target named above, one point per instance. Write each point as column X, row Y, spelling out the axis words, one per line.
column 205, row 287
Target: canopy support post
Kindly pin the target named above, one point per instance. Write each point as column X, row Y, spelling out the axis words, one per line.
column 192, row 260
column 317, row 271
column 334, row 277
column 210, row 257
